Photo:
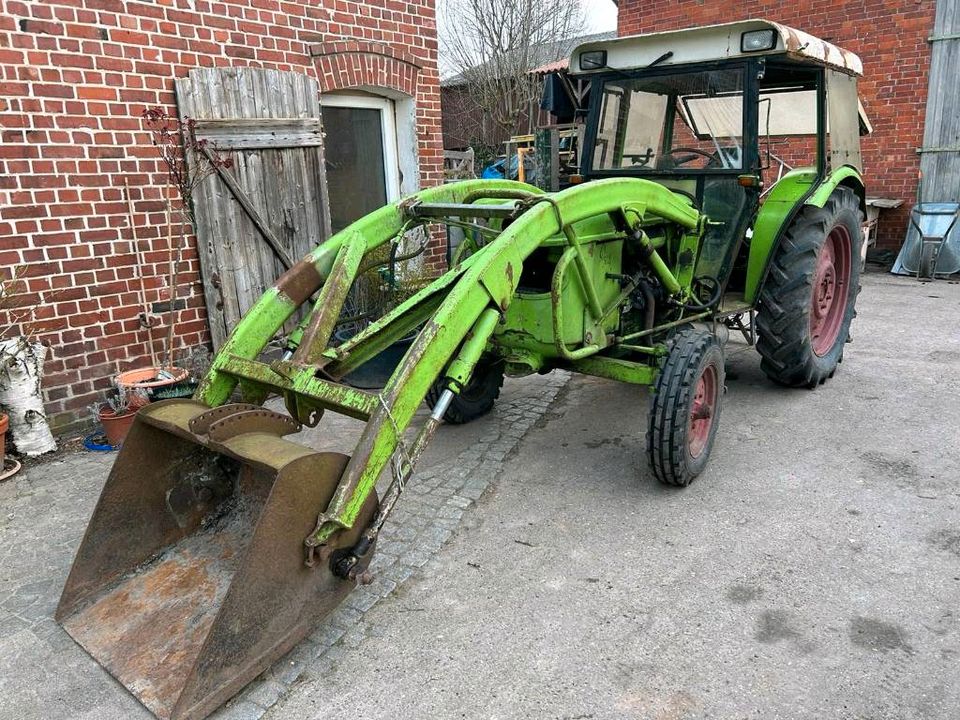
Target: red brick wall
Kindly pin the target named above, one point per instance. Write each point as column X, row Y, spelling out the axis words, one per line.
column 75, row 76
column 890, row 36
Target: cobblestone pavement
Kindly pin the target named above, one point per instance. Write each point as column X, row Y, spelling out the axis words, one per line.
column 44, row 510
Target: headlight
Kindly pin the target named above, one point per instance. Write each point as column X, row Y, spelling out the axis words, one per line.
column 757, row 40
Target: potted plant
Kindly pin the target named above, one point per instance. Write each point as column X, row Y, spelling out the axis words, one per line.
column 150, row 382
column 188, row 162
column 117, row 414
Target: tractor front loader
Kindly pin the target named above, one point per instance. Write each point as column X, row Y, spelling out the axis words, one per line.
column 218, row 542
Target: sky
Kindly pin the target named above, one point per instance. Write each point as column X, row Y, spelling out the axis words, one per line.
column 601, row 15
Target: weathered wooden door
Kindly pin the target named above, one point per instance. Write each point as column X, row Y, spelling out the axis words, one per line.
column 270, row 208
column 940, row 154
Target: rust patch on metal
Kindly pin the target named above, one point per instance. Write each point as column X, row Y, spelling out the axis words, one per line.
column 797, row 42
column 150, row 628
column 201, row 423
column 259, row 420
column 190, row 579
column 300, row 282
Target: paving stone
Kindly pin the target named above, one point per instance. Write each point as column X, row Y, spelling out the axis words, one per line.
column 361, row 599
column 242, row 710
column 292, row 665
column 416, row 559
column 437, row 536
column 322, row 665
column 405, row 533
column 11, row 624
column 459, row 501
column 382, row 586
column 327, row 634
column 449, row 511
column 399, row 573
column 264, row 692
column 381, row 561
column 473, row 492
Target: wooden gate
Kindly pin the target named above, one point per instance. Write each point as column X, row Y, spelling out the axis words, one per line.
column 270, row 208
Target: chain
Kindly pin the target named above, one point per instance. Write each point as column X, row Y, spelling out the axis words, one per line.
column 401, row 448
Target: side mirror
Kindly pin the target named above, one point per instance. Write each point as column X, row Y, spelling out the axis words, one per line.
column 593, row 60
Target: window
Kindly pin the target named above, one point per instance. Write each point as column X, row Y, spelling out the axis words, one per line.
column 787, row 121
column 680, row 122
column 845, row 122
column 360, row 150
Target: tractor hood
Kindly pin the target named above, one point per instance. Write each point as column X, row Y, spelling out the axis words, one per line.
column 713, row 42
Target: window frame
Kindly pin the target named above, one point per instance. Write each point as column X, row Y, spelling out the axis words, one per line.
column 749, row 138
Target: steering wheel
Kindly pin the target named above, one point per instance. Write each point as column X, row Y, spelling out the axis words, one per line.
column 712, row 156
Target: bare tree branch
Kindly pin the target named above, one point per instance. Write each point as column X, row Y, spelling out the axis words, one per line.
column 494, row 44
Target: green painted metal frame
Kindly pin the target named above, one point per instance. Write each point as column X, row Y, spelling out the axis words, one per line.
column 794, row 190
column 457, row 314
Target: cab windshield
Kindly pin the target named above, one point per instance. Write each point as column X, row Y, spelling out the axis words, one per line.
column 671, row 123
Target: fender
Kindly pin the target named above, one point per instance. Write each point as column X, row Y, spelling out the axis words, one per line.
column 794, row 190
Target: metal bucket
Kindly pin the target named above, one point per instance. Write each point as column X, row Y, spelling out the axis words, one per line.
column 190, row 579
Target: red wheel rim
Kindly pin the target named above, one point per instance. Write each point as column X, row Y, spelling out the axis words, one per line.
column 702, row 411
column 831, row 283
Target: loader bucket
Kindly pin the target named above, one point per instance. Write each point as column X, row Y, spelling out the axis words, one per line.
column 190, row 579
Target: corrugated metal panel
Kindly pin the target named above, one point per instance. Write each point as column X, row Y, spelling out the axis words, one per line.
column 940, row 158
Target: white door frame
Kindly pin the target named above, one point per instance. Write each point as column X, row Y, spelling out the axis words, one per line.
column 388, row 126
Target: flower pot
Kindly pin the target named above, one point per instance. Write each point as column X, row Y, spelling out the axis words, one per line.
column 147, row 380
column 4, row 426
column 115, row 426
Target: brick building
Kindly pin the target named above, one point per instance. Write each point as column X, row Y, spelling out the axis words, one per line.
column 75, row 76
column 890, row 36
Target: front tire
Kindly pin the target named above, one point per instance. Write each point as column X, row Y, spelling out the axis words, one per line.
column 808, row 299
column 685, row 409
column 477, row 398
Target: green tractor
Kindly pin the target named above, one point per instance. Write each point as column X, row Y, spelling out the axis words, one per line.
column 217, row 543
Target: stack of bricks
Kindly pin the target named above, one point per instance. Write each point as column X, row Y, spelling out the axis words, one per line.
column 890, row 36
column 75, row 77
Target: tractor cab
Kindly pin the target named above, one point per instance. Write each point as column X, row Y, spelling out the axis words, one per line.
column 724, row 115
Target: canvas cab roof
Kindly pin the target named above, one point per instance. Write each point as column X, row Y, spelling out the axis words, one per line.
column 713, row 42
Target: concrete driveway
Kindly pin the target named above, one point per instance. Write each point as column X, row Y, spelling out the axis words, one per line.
column 812, row 572
column 534, row 569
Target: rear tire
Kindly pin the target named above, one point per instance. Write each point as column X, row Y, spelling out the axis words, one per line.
column 808, row 299
column 685, row 409
column 477, row 398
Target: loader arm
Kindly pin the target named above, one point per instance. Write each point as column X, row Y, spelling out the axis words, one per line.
column 487, row 285
column 218, row 541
